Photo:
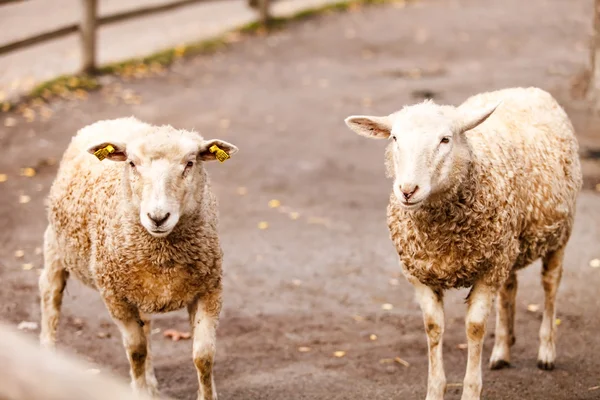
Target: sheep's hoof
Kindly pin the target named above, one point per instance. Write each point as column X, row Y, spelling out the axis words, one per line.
column 545, row 365
column 499, row 364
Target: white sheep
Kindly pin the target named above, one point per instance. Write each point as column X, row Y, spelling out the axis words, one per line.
column 142, row 230
column 31, row 373
column 480, row 191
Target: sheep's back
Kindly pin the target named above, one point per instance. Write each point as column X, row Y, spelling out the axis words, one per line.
column 529, row 153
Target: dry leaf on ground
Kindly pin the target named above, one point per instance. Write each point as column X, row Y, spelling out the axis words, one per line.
column 263, row 225
column 3, row 177
column 303, row 349
column 373, row 336
column 402, row 362
column 339, row 353
column 595, row 263
column 533, row 308
column 274, row 203
column 462, row 346
column 387, row 306
column 176, row 335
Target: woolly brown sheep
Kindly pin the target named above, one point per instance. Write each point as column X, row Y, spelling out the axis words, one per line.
column 480, row 191
column 142, row 230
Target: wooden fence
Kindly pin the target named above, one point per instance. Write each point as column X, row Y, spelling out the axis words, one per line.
column 90, row 21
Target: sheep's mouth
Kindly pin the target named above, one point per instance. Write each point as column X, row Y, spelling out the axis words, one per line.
column 159, row 233
column 409, row 205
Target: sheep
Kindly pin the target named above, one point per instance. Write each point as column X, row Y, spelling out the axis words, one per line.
column 30, row 373
column 480, row 191
column 141, row 230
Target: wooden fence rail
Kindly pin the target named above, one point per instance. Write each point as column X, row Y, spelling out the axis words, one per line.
column 90, row 21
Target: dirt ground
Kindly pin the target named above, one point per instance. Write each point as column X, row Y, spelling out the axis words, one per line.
column 320, row 280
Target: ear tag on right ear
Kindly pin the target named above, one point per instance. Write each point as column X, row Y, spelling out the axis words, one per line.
column 102, row 153
column 221, row 154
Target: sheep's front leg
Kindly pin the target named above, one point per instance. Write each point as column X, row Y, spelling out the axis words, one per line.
column 135, row 341
column 479, row 305
column 505, row 321
column 433, row 316
column 150, row 375
column 204, row 316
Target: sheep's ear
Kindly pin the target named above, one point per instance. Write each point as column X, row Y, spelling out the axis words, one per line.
column 371, row 127
column 210, row 153
column 109, row 150
column 470, row 120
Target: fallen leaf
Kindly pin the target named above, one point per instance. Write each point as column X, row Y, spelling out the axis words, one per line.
column 24, row 199
column 10, row 122
column 28, row 172
column 274, row 203
column 3, row 177
column 339, row 353
column 394, row 282
column 373, row 336
column 358, row 318
column 176, row 335
column 594, row 388
column 242, row 191
column 595, row 263
column 557, row 321
column 27, row 326
column 386, row 361
column 27, row 266
column 462, row 346
column 155, row 331
column 387, row 306
column 294, row 215
column 533, row 308
column 263, row 225
column 19, row 254
column 303, row 349
column 401, row 361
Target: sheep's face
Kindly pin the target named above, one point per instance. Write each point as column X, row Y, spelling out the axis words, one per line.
column 164, row 175
column 427, row 147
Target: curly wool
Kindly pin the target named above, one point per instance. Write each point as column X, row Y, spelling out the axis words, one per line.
column 104, row 245
column 512, row 200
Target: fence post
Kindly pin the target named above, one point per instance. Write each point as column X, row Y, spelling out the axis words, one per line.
column 88, row 35
column 264, row 11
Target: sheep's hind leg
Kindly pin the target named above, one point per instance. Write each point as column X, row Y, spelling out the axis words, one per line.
column 204, row 316
column 551, row 275
column 52, row 283
column 432, row 307
column 505, row 321
column 479, row 305
column 151, row 380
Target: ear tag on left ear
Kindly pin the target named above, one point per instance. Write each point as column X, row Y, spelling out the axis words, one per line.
column 104, row 152
column 220, row 153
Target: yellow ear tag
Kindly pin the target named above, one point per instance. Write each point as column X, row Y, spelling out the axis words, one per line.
column 220, row 153
column 104, row 152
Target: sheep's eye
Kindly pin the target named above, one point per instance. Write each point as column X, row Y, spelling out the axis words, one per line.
column 394, row 137
column 190, row 164
column 445, row 140
column 131, row 164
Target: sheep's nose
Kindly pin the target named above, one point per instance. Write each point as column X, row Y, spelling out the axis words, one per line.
column 159, row 219
column 408, row 190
